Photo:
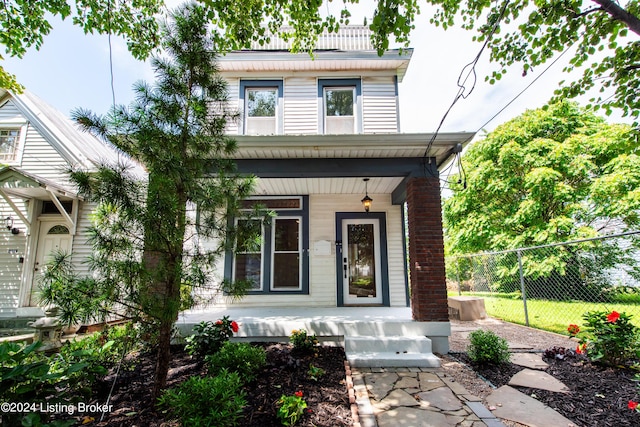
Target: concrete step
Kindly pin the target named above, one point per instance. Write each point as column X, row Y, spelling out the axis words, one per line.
column 393, row 360
column 387, row 351
column 387, row 344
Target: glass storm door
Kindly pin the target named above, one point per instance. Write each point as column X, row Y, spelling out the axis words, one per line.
column 361, row 273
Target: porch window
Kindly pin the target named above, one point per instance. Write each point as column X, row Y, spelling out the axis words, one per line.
column 248, row 260
column 279, row 263
column 262, row 101
column 9, row 139
column 340, row 100
column 286, row 253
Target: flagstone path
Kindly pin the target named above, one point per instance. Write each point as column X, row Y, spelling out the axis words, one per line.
column 426, row 397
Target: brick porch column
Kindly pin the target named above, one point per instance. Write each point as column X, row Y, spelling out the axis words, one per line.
column 426, row 250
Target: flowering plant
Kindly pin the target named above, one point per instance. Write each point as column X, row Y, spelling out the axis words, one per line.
column 291, row 408
column 209, row 337
column 609, row 337
column 302, row 341
column 633, row 406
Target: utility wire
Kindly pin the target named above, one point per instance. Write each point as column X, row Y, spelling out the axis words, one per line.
column 470, row 69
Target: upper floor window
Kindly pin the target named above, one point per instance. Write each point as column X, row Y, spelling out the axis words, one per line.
column 340, row 106
column 9, row 139
column 262, row 101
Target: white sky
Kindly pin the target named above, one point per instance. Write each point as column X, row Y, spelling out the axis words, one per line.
column 71, row 70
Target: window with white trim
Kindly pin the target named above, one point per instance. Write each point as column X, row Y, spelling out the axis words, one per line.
column 9, row 140
column 261, row 105
column 340, row 106
column 279, row 262
column 260, row 115
column 286, row 254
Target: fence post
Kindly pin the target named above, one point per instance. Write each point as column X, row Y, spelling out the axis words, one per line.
column 458, row 277
column 524, row 293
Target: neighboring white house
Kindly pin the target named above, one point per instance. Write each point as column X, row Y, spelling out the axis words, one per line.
column 39, row 209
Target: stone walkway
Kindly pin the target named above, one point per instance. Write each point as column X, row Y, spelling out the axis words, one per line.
column 425, row 397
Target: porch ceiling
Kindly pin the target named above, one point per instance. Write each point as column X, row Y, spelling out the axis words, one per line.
column 351, row 185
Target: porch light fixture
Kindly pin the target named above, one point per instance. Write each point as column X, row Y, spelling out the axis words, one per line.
column 8, row 222
column 366, row 200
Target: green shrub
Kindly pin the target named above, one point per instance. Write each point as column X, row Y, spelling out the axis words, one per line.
column 487, row 347
column 301, row 341
column 609, row 338
column 208, row 337
column 29, row 376
column 242, row 358
column 207, row 401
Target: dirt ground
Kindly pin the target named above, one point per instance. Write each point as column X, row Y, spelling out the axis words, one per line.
column 598, row 398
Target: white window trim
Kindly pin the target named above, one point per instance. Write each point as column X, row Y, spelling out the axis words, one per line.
column 273, row 252
column 22, row 139
column 354, row 106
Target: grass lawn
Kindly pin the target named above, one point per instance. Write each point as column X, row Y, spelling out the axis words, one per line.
column 548, row 315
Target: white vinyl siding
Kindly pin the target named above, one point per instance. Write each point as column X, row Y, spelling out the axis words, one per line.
column 82, row 249
column 42, row 159
column 300, row 106
column 10, row 265
column 233, row 87
column 379, row 105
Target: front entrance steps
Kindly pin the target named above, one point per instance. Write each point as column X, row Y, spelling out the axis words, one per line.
column 413, row 351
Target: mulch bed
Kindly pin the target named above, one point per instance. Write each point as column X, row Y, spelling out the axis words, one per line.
column 285, row 373
column 599, row 395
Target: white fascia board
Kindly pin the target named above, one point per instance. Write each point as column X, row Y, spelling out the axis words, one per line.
column 38, row 119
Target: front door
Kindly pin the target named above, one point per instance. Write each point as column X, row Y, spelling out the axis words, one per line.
column 360, row 264
column 53, row 237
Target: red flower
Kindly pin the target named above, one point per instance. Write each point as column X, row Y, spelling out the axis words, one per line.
column 632, row 405
column 613, row 317
column 234, row 326
column 581, row 348
column 573, row 329
column 219, row 322
column 299, row 393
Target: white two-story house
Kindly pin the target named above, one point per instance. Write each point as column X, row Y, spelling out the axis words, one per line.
column 322, row 134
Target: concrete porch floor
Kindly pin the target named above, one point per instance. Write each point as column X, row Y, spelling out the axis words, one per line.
column 328, row 323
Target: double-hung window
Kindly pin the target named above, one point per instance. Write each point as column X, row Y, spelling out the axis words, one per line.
column 262, row 101
column 340, row 105
column 9, row 141
column 279, row 263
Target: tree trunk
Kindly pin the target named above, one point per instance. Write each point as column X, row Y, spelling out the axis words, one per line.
column 163, row 358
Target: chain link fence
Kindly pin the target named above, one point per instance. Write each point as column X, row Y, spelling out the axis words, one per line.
column 550, row 286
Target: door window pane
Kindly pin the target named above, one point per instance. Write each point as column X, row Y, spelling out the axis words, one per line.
column 361, row 260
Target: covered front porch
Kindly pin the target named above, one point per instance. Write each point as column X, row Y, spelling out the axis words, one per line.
column 372, row 336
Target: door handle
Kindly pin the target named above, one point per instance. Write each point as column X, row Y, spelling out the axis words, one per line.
column 344, row 267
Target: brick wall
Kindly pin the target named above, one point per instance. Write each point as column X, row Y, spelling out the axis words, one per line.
column 426, row 250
